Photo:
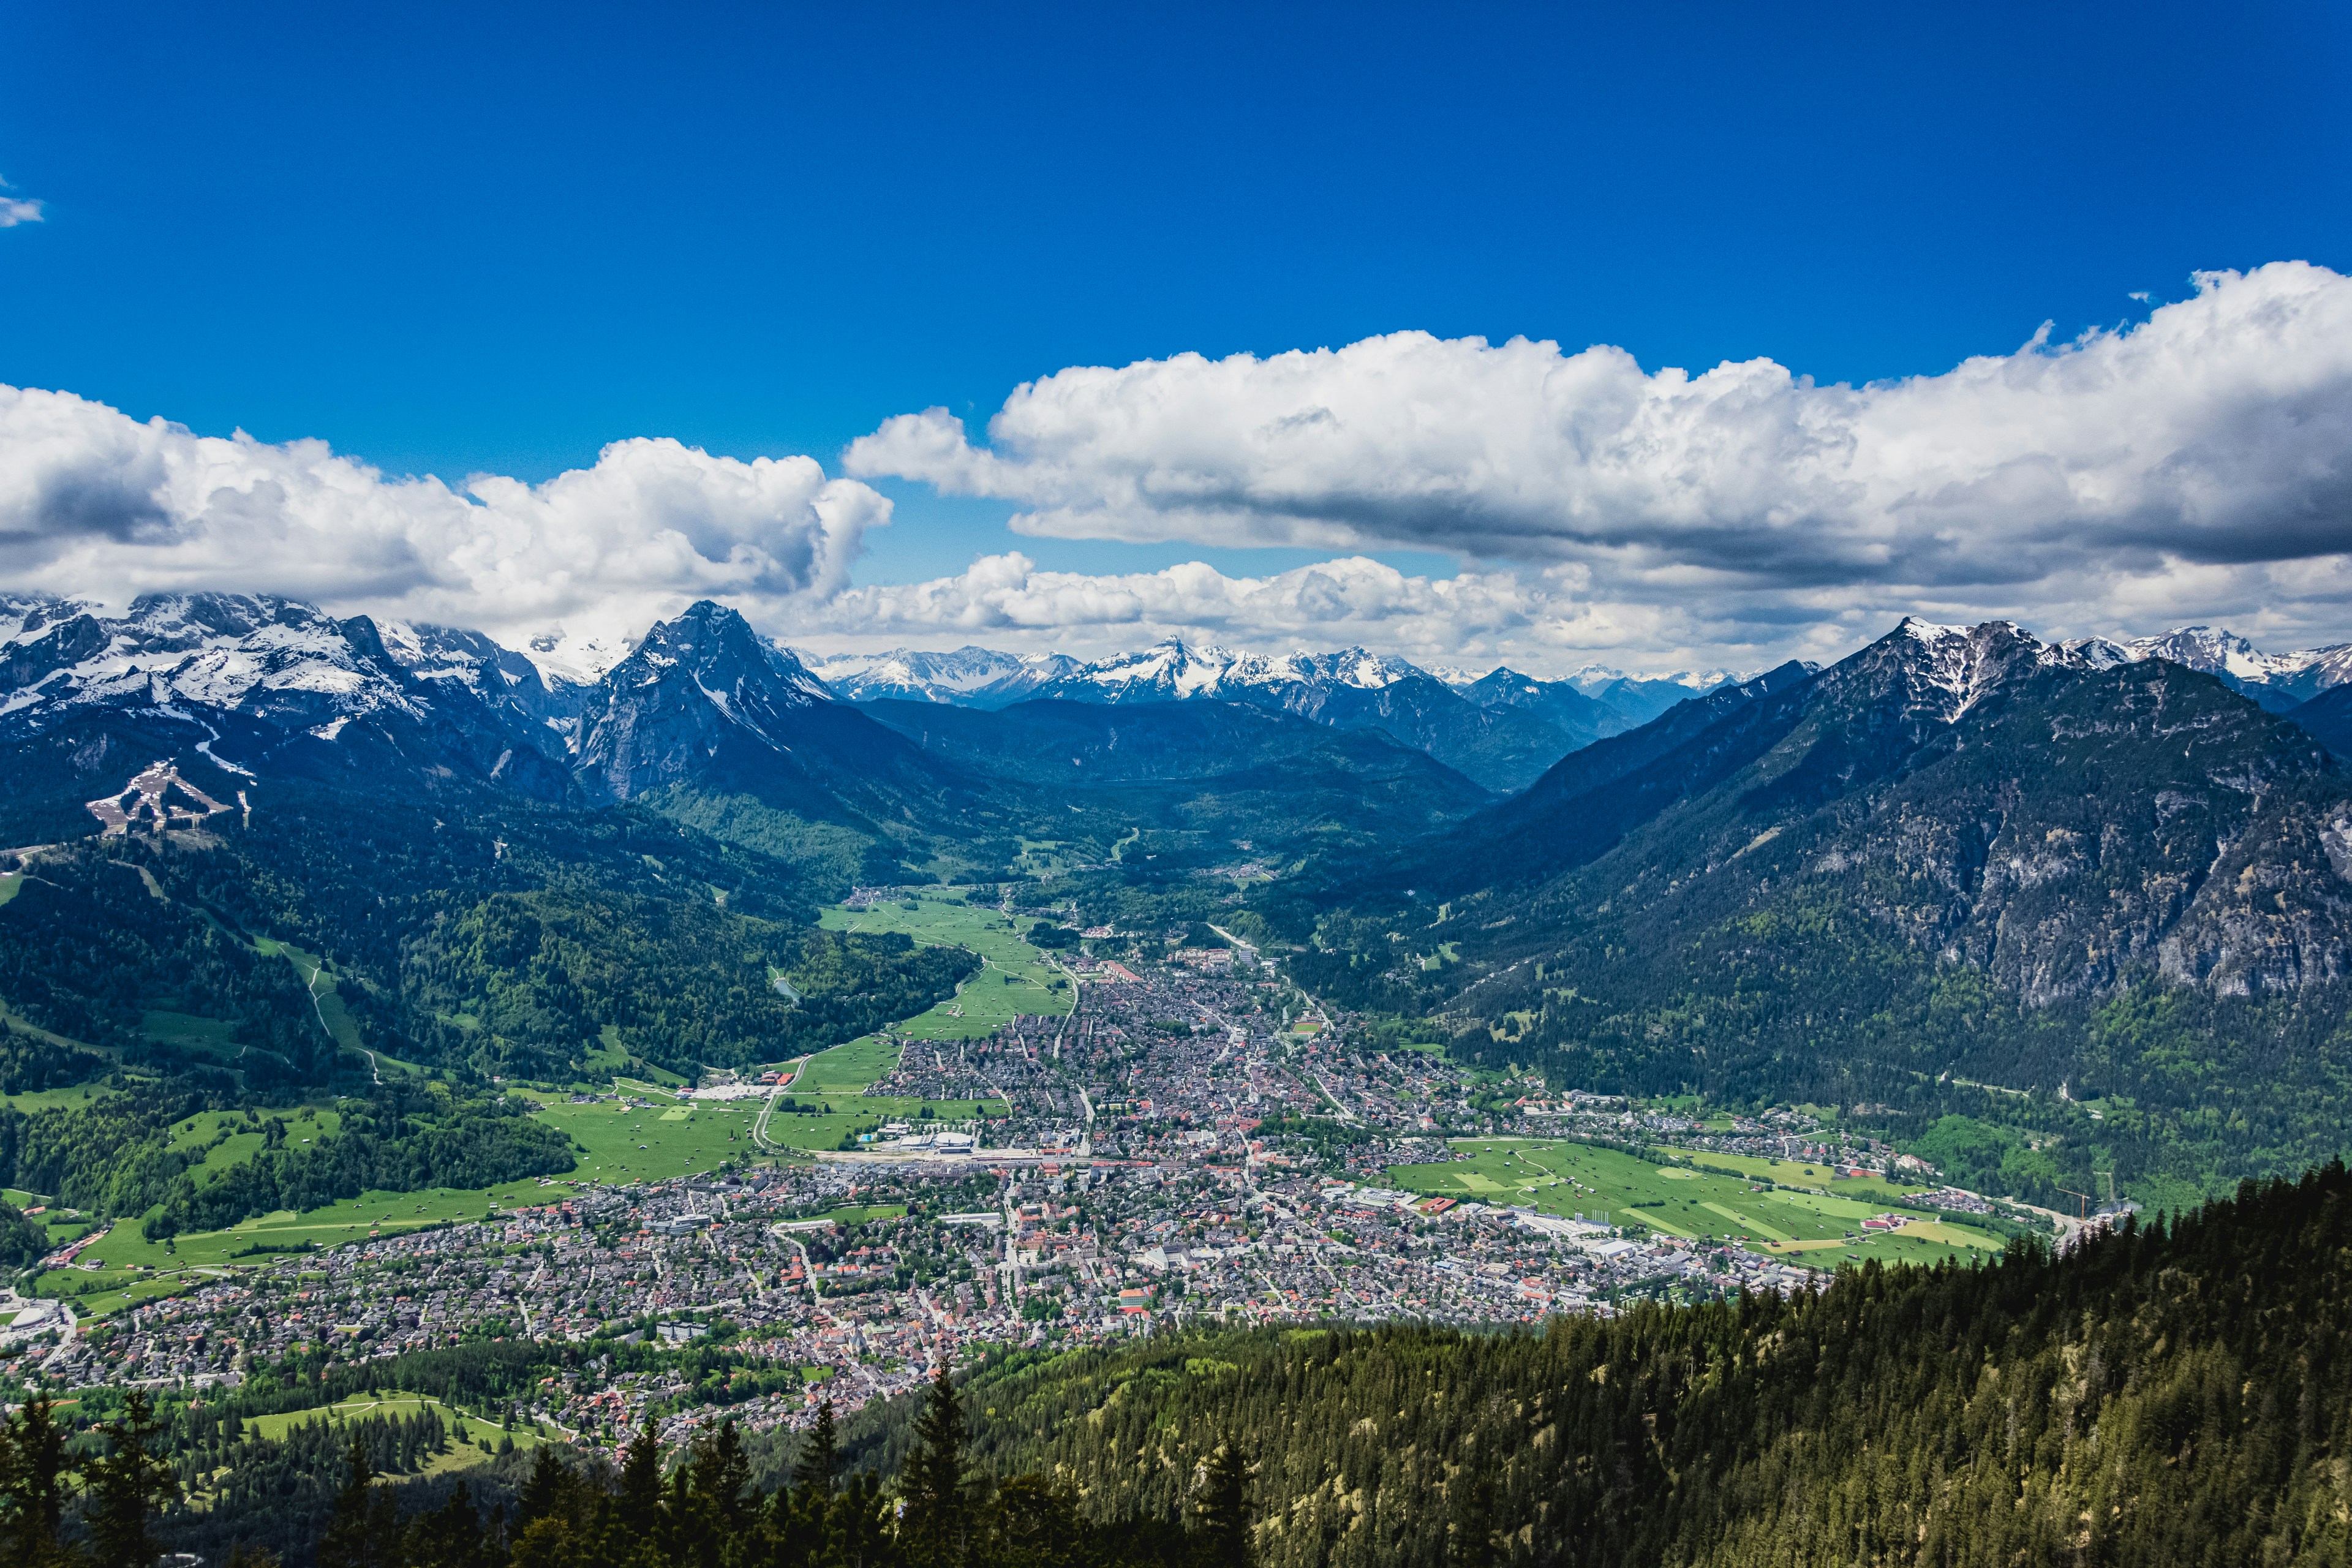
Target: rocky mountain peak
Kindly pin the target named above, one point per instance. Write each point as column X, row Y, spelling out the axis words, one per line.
column 693, row 683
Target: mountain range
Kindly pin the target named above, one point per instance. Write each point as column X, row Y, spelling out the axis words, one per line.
column 280, row 686
column 1961, row 853
column 1501, row 728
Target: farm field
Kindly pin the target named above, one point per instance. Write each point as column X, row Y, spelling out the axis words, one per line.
column 1571, row 1179
column 1014, row 979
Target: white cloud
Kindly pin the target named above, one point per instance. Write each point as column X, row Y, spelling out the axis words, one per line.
column 96, row 505
column 2195, row 467
column 1008, row 598
column 15, row 210
column 2199, row 463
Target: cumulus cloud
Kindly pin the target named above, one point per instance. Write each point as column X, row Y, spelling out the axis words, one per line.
column 15, row 210
column 96, row 505
column 1538, row 620
column 2204, row 455
column 1007, row 598
column 2196, row 466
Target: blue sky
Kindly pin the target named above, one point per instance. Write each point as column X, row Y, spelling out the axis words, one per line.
column 457, row 239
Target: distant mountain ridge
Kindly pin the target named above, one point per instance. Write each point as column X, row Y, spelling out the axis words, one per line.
column 967, row 676
column 2278, row 681
column 1501, row 728
column 262, row 682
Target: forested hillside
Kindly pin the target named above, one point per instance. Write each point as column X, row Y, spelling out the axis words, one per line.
column 489, row 934
column 113, row 1155
column 2173, row 1395
column 1956, row 858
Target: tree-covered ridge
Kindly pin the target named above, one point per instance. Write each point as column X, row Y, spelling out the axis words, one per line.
column 491, row 936
column 113, row 1156
column 87, row 950
column 2177, row 1394
column 682, row 983
column 116, row 1495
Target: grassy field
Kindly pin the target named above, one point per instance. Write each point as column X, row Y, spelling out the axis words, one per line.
column 468, row 1430
column 847, row 1068
column 1014, row 979
column 1799, row 1174
column 34, row 1101
column 1579, row 1179
column 624, row 1144
column 244, row 1141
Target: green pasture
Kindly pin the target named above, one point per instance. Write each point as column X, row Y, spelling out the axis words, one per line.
column 1813, row 1173
column 624, row 1144
column 1014, row 978
column 1563, row 1178
column 465, row 1429
column 34, row 1101
column 245, row 1138
column 461, row 1423
column 847, row 1068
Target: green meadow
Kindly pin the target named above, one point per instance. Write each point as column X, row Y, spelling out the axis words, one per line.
column 1014, row 978
column 846, row 1069
column 616, row 1143
column 1799, row 1174
column 625, row 1143
column 1571, row 1179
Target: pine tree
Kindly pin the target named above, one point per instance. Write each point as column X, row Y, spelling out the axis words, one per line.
column 450, row 1536
column 127, row 1485
column 935, row 1528
column 550, row 1491
column 820, row 1453
column 1221, row 1512
column 32, row 1482
column 641, row 1481
column 366, row 1530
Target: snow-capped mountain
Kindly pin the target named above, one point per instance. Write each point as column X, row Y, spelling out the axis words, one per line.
column 1173, row 670
column 1594, row 704
column 693, row 685
column 506, row 680
column 1351, row 689
column 256, row 684
column 269, row 657
column 2277, row 680
column 968, row 678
